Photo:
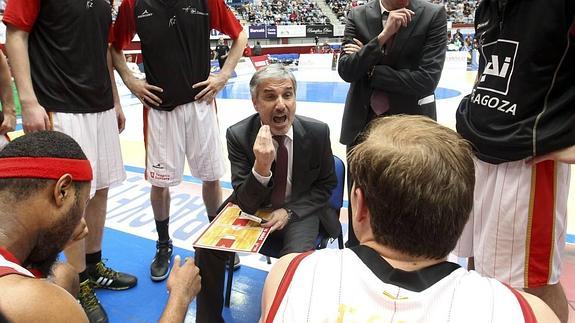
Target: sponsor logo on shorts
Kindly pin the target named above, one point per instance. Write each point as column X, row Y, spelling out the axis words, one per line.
column 159, row 177
column 89, row 4
column 158, row 166
column 145, row 14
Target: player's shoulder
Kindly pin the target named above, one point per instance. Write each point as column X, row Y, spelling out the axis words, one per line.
column 25, row 293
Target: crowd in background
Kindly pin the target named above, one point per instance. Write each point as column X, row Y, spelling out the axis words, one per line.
column 283, row 12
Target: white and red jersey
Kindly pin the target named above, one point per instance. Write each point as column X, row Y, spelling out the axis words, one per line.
column 358, row 285
column 10, row 265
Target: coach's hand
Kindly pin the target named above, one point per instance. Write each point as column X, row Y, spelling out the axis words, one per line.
column 353, row 48
column 34, row 118
column 566, row 155
column 211, row 87
column 264, row 151
column 397, row 19
column 277, row 221
column 143, row 91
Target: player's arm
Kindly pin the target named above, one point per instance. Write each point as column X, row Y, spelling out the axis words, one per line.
column 37, row 300
column 124, row 31
column 423, row 79
column 542, row 311
column 34, row 117
column 272, row 282
column 121, row 119
column 6, row 97
column 183, row 285
column 222, row 19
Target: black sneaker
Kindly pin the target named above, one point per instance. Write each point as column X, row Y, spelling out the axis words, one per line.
column 90, row 303
column 160, row 267
column 105, row 277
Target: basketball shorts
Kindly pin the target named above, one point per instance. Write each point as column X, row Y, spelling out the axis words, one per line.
column 189, row 131
column 97, row 134
column 4, row 140
column 516, row 231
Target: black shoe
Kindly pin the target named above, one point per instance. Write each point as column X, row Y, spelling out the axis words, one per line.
column 90, row 303
column 160, row 267
column 105, row 277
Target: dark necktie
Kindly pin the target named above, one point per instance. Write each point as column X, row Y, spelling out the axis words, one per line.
column 280, row 174
column 379, row 101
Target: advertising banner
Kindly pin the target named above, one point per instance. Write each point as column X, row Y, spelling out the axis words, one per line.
column 291, row 31
column 338, row 30
column 257, row 32
column 319, row 30
column 271, row 31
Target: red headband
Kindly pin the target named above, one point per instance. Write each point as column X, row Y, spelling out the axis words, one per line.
column 45, row 167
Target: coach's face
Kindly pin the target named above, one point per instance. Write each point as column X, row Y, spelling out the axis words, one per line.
column 275, row 102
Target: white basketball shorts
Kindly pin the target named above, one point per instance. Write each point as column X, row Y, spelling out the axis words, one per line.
column 97, row 134
column 517, row 227
column 189, row 131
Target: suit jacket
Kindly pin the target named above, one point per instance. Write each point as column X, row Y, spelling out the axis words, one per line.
column 408, row 71
column 313, row 176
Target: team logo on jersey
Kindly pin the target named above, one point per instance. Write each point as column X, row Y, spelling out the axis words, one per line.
column 89, row 4
column 193, row 11
column 499, row 66
column 172, row 21
column 145, row 14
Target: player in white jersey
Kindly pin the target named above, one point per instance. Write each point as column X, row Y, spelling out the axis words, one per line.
column 412, row 194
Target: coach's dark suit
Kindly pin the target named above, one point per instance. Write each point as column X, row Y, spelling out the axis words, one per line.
column 313, row 179
column 407, row 71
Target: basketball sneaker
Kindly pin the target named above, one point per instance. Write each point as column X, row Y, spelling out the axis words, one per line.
column 90, row 303
column 105, row 277
column 160, row 267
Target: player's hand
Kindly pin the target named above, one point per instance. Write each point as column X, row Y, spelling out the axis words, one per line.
column 9, row 123
column 79, row 233
column 211, row 87
column 184, row 281
column 397, row 19
column 120, row 117
column 277, row 220
column 353, row 47
column 264, row 151
column 34, row 118
column 566, row 155
column 143, row 91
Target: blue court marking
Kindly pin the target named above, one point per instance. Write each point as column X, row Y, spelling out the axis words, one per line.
column 324, row 92
column 192, row 179
column 570, row 238
column 145, row 302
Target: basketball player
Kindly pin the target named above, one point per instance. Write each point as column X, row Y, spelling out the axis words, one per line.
column 178, row 96
column 412, row 193
column 8, row 113
column 58, row 53
column 520, row 118
column 44, row 189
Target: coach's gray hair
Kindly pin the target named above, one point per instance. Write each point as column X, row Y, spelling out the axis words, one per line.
column 273, row 71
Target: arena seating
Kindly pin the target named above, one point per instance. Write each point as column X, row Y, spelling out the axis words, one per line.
column 283, row 12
